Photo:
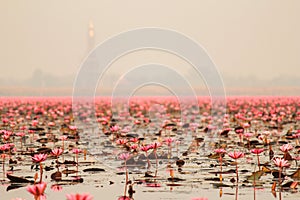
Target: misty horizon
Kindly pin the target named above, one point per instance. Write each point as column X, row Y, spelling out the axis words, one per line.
column 254, row 45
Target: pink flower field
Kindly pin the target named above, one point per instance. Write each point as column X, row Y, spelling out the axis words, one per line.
column 149, row 148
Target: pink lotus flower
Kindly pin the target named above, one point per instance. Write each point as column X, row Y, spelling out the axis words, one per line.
column 56, row 188
column 76, row 151
column 63, row 137
column 38, row 158
column 286, row 147
column 51, row 124
column 79, row 197
column 20, row 134
column 280, row 162
column 236, row 155
column 124, row 156
column 73, row 128
column 56, row 152
column 5, row 120
column 220, row 151
column 169, row 141
column 145, row 148
column 123, row 198
column 256, row 151
column 134, row 146
column 248, row 135
column 34, row 122
column 134, row 140
column 37, row 190
column 115, row 128
column 5, row 147
column 121, row 141
column 155, row 145
column 246, row 125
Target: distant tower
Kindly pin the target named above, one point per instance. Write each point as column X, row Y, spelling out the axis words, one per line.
column 91, row 37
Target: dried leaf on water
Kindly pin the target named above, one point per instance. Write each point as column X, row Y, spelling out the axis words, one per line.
column 296, row 174
column 56, row 176
column 255, row 175
column 266, row 169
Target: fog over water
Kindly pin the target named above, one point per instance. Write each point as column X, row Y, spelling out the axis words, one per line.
column 254, row 44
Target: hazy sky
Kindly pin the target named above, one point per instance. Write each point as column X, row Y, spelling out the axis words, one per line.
column 246, row 39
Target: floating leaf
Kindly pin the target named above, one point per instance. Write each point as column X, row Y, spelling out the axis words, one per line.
column 56, row 176
column 214, row 156
column 287, row 156
column 218, row 185
column 255, row 175
column 174, row 179
column 94, row 170
column 180, row 163
column 276, row 174
column 296, row 174
column 266, row 169
column 14, row 186
column 17, row 179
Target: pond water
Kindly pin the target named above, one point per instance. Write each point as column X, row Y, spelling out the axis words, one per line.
column 180, row 161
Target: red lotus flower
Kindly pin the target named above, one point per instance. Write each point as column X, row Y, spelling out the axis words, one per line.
column 79, row 197
column 38, row 158
column 236, row 155
column 37, row 190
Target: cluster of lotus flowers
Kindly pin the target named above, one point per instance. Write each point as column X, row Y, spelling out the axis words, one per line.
column 253, row 122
